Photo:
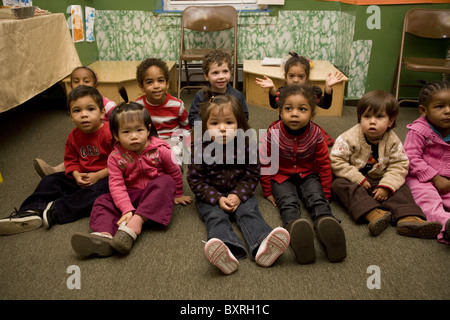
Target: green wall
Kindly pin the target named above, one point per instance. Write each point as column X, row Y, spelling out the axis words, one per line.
column 385, row 41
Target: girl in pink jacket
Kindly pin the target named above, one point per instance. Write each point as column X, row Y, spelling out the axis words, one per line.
column 144, row 181
column 427, row 145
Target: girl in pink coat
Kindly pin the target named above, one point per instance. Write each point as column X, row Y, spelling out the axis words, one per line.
column 427, row 145
column 144, row 181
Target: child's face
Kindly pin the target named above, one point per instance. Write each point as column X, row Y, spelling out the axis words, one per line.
column 133, row 135
column 222, row 123
column 438, row 112
column 374, row 125
column 296, row 75
column 82, row 76
column 155, row 85
column 218, row 77
column 296, row 112
column 86, row 114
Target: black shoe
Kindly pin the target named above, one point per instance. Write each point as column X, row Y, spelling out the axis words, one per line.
column 447, row 230
column 331, row 235
column 302, row 240
column 19, row 222
column 49, row 216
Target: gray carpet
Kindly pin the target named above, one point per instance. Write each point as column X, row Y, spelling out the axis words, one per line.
column 169, row 264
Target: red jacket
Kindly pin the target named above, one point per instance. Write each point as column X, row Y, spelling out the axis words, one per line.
column 301, row 155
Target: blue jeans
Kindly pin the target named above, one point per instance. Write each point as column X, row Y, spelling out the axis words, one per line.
column 308, row 189
column 247, row 217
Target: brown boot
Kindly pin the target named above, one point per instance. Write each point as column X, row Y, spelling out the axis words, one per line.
column 413, row 226
column 378, row 221
column 44, row 169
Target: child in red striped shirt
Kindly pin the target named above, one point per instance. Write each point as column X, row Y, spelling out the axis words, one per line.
column 167, row 112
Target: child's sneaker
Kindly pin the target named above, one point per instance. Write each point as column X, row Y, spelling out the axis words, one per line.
column 43, row 169
column 379, row 220
column 272, row 247
column 124, row 239
column 19, row 222
column 220, row 255
column 413, row 226
column 302, row 240
column 49, row 216
column 331, row 234
column 93, row 244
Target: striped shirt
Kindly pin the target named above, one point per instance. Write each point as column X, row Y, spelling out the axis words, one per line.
column 168, row 117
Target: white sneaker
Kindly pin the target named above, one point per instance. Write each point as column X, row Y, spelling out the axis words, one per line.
column 272, row 247
column 219, row 255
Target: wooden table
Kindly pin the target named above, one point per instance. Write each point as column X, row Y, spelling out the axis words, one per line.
column 258, row 96
column 35, row 54
column 114, row 74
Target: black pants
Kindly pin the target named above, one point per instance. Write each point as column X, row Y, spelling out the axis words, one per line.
column 359, row 201
column 309, row 190
column 70, row 201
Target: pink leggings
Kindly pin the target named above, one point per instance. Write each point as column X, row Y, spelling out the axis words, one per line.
column 154, row 202
column 433, row 204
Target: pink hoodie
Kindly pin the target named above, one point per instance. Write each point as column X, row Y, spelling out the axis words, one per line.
column 428, row 153
column 128, row 170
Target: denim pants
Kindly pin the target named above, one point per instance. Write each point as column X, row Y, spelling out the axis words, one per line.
column 308, row 189
column 248, row 219
column 70, row 201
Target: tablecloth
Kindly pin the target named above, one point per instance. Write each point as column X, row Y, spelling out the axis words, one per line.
column 35, row 53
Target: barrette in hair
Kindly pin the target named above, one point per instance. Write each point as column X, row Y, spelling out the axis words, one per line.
column 211, row 99
column 293, row 53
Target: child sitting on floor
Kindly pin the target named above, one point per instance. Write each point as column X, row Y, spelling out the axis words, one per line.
column 370, row 166
column 64, row 197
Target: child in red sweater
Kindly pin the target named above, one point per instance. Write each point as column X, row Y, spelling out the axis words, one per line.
column 64, row 197
column 304, row 172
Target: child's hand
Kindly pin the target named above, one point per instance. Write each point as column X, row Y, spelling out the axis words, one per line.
column 271, row 198
column 381, row 194
column 230, row 203
column 125, row 218
column 81, row 179
column 332, row 79
column 91, row 178
column 267, row 83
column 442, row 184
column 234, row 199
column 366, row 185
column 184, row 200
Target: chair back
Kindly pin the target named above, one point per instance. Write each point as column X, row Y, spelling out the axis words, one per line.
column 214, row 18
column 428, row 23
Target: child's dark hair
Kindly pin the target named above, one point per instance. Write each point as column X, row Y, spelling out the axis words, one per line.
column 215, row 56
column 151, row 62
column 430, row 89
column 82, row 91
column 132, row 111
column 294, row 89
column 94, row 75
column 377, row 101
column 221, row 101
column 295, row 59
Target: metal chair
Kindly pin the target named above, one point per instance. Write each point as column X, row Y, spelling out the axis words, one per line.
column 206, row 19
column 424, row 23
